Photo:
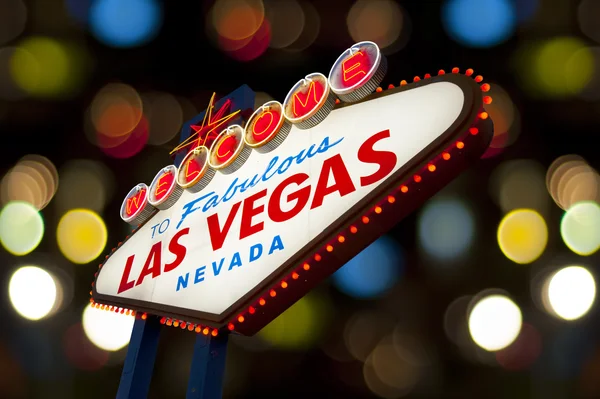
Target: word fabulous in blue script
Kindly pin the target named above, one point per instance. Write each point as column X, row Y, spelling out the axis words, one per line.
column 226, row 265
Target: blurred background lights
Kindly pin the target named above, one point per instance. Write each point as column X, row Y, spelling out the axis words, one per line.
column 81, row 235
column 165, row 117
column 287, row 20
column 445, row 228
column 32, row 292
column 13, row 16
column 84, row 183
column 495, row 322
column 571, row 292
column 33, row 179
column 379, row 21
column 570, row 179
column 373, row 271
column 21, row 228
column 586, row 16
column 479, row 23
column 523, row 352
column 522, row 235
column 9, row 90
column 558, row 67
column 109, row 331
column 521, row 184
column 125, row 23
column 580, row 228
column 300, row 326
column 47, row 67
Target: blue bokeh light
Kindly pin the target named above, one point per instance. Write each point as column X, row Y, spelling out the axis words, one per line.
column 125, row 23
column 445, row 229
column 78, row 10
column 479, row 23
column 372, row 272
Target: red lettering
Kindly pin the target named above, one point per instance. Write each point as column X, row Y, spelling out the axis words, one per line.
column 152, row 265
column 302, row 195
column 226, row 148
column 301, row 107
column 192, row 169
column 354, row 68
column 385, row 159
column 126, row 285
column 166, row 179
column 217, row 235
column 177, row 249
column 133, row 203
column 248, row 212
column 265, row 124
column 342, row 181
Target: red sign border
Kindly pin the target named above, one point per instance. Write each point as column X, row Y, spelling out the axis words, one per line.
column 468, row 117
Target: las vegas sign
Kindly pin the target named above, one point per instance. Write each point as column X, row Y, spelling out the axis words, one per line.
column 243, row 228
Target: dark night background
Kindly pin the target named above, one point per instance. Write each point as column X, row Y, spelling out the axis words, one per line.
column 544, row 56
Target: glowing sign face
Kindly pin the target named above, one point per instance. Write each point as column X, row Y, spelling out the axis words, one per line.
column 267, row 127
column 357, row 72
column 135, row 208
column 238, row 252
column 164, row 190
column 193, row 173
column 309, row 102
column 228, row 152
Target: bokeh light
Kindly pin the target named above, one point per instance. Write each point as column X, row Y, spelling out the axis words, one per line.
column 570, row 292
column 580, row 228
column 479, row 23
column 84, row 183
column 507, row 121
column 13, row 16
column 379, row 21
column 21, row 228
column 312, row 28
column 9, row 90
column 125, row 24
column 521, row 184
column 570, row 179
column 372, row 272
column 287, row 20
column 300, row 326
column 33, row 179
column 364, row 330
column 47, row 67
column 32, row 292
column 558, row 67
column 495, row 322
column 522, row 235
column 109, row 331
column 81, row 235
column 165, row 116
column 523, row 352
column 446, row 229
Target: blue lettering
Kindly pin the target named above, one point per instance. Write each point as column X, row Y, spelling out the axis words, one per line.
column 301, row 156
column 230, row 193
column 285, row 165
column 154, row 229
column 236, row 261
column 212, row 202
column 245, row 185
column 160, row 228
column 189, row 207
column 182, row 281
column 255, row 252
column 216, row 270
column 199, row 274
column 269, row 167
column 277, row 244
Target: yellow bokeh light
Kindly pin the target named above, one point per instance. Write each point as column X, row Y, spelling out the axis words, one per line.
column 21, row 228
column 46, row 67
column 81, row 235
column 109, row 331
column 495, row 322
column 580, row 228
column 522, row 235
column 571, row 292
column 298, row 327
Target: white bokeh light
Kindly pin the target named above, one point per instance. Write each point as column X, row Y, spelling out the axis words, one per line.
column 32, row 292
column 109, row 331
column 571, row 292
column 495, row 322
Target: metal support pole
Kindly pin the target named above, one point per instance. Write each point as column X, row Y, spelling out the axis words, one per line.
column 139, row 363
column 208, row 367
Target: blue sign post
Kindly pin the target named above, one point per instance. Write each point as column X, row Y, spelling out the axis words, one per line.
column 208, row 361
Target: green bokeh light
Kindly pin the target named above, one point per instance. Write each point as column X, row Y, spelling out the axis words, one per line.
column 299, row 327
column 21, row 228
column 580, row 228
